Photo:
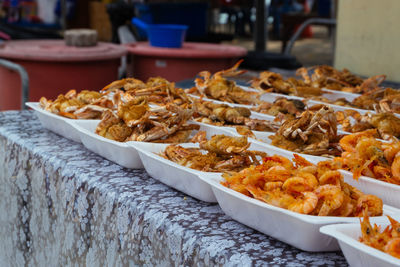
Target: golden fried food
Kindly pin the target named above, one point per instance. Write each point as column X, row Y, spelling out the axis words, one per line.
column 224, row 115
column 302, row 187
column 219, row 88
column 273, row 82
column 83, row 105
column 157, row 90
column 312, row 133
column 386, row 240
column 281, row 105
column 220, row 153
column 363, row 154
column 136, row 121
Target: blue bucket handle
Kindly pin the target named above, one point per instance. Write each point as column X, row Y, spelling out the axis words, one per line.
column 140, row 23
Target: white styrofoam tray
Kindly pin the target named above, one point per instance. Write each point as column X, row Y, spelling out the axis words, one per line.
column 356, row 253
column 118, row 152
column 298, row 230
column 56, row 123
column 182, row 178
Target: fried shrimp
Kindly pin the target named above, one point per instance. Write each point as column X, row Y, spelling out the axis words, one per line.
column 306, row 204
column 332, row 197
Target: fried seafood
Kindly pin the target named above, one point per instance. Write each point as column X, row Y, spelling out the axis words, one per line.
column 224, row 115
column 331, row 78
column 220, row 153
column 274, row 82
column 158, row 90
column 386, row 240
column 387, row 124
column 380, row 100
column 302, row 187
column 281, row 105
column 219, row 88
column 363, row 154
column 83, row 105
column 136, row 121
column 313, row 132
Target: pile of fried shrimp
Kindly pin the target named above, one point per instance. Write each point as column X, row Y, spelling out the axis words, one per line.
column 303, row 187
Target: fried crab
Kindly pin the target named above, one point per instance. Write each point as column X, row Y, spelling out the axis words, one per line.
column 136, row 121
column 274, row 82
column 220, row 153
column 313, row 132
column 157, row 89
column 219, row 88
column 386, row 123
column 224, row 115
column 281, row 105
column 83, row 105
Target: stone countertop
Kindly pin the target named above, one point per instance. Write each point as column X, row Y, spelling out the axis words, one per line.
column 63, row 205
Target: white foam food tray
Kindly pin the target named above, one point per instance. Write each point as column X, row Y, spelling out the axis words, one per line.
column 118, row 152
column 57, row 123
column 298, row 230
column 356, row 253
column 182, row 178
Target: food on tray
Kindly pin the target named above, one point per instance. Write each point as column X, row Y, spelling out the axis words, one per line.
column 157, row 89
column 380, row 99
column 274, row 82
column 302, row 187
column 219, row 88
column 224, row 115
column 312, row 132
column 363, row 154
column 220, row 153
column 340, row 101
column 387, row 124
column 386, row 240
column 281, row 105
column 136, row 121
column 331, row 78
column 83, row 105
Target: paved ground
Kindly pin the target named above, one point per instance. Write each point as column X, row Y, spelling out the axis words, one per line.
column 310, row 51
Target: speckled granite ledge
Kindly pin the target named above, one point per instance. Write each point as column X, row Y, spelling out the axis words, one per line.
column 63, row 205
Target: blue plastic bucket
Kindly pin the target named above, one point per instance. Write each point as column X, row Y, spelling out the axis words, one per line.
column 163, row 35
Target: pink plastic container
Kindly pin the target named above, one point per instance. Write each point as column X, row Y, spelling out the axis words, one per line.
column 54, row 68
column 177, row 64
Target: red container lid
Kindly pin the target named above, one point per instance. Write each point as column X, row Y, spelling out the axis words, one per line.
column 56, row 50
column 188, row 50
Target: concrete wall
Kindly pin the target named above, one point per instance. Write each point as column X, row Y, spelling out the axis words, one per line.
column 368, row 37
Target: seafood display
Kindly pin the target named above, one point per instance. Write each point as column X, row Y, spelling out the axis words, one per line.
column 274, row 83
column 219, row 88
column 312, row 132
column 379, row 99
column 363, row 154
column 224, row 115
column 220, row 153
column 136, row 121
column 386, row 123
column 158, row 90
column 281, row 105
column 302, row 187
column 386, row 240
column 83, row 105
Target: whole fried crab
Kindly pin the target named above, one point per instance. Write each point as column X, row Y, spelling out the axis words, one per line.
column 269, row 81
column 83, row 105
column 157, row 89
column 136, row 121
column 220, row 153
column 219, row 88
column 312, row 133
column 380, row 100
column 224, row 115
column 281, row 105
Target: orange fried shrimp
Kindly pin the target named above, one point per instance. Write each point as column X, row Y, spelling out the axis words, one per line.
column 332, row 197
column 296, row 185
column 269, row 186
column 306, row 205
column 370, row 204
column 393, row 247
column 349, row 142
column 331, row 177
